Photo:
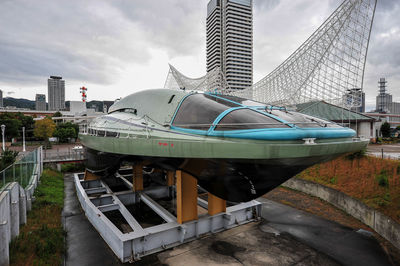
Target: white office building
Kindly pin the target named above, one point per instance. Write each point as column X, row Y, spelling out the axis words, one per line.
column 40, row 102
column 230, row 40
column 56, row 93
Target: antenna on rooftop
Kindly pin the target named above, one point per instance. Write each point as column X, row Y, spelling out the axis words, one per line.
column 84, row 94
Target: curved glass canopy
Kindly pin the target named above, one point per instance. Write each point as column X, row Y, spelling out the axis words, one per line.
column 203, row 111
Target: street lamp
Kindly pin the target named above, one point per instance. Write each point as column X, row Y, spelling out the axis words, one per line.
column 23, row 139
column 3, row 129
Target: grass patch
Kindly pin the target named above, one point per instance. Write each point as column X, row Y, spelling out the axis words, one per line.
column 41, row 240
column 374, row 181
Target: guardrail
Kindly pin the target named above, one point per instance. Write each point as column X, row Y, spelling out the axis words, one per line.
column 17, row 185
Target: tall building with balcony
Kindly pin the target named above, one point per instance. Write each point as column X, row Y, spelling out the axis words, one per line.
column 1, row 99
column 230, row 40
column 56, row 93
column 40, row 102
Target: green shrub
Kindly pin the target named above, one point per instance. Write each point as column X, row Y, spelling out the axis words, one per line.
column 357, row 155
column 72, row 167
column 387, row 197
column 383, row 179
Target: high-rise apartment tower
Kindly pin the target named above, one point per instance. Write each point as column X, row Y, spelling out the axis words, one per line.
column 56, row 93
column 230, row 40
column 1, row 99
column 40, row 102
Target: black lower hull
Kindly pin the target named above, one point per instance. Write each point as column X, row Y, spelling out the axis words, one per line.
column 232, row 180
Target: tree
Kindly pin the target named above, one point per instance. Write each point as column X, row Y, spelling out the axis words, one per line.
column 385, row 130
column 64, row 134
column 66, row 131
column 44, row 129
column 57, row 114
column 7, row 158
column 398, row 127
column 13, row 125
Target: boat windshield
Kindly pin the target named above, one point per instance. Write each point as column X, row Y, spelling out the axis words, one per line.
column 302, row 120
column 247, row 119
column 243, row 101
column 198, row 111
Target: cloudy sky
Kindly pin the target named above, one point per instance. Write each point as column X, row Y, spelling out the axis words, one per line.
column 118, row 47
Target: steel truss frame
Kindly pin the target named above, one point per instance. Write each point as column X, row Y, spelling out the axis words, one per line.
column 328, row 66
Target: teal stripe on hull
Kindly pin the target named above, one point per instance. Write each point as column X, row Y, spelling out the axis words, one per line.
column 276, row 133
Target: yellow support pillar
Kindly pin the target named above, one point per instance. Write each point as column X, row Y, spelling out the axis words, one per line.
column 215, row 204
column 90, row 176
column 186, row 196
column 170, row 178
column 137, row 177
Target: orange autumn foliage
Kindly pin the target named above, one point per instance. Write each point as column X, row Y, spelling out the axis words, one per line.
column 361, row 178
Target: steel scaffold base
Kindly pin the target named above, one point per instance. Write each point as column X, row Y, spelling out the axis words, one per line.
column 96, row 199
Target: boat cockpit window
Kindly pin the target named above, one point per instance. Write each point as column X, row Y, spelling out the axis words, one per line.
column 301, row 120
column 248, row 119
column 243, row 101
column 198, row 111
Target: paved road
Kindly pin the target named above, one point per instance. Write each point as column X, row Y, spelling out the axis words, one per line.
column 347, row 246
column 391, row 151
column 285, row 236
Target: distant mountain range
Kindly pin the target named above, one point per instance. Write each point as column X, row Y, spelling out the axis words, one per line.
column 18, row 102
column 28, row 104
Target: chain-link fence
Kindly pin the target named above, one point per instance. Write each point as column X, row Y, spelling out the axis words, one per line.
column 22, row 170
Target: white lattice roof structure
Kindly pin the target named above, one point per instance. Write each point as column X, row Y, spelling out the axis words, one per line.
column 327, row 66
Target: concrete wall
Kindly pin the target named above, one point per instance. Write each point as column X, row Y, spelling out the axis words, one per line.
column 382, row 224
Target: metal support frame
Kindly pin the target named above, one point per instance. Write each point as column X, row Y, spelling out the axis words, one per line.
column 186, row 196
column 90, row 176
column 137, row 177
column 144, row 241
column 215, row 204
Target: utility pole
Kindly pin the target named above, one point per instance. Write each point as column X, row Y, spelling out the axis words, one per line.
column 3, row 129
column 23, row 139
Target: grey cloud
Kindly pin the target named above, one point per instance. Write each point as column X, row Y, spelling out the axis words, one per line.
column 383, row 55
column 266, row 5
column 178, row 27
column 80, row 41
column 96, row 40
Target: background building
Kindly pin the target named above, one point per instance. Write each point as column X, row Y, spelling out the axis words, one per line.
column 230, row 40
column 1, row 98
column 365, row 126
column 40, row 102
column 384, row 99
column 385, row 104
column 56, row 93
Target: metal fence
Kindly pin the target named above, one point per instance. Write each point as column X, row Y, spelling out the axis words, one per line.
column 63, row 155
column 22, row 170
